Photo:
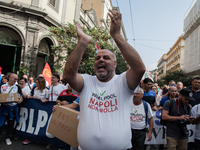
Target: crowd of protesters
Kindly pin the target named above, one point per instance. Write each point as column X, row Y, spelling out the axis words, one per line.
column 27, row 88
column 180, row 106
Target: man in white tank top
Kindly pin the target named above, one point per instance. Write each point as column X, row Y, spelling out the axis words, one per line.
column 105, row 99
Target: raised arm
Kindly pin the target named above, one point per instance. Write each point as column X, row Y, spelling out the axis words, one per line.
column 70, row 73
column 137, row 68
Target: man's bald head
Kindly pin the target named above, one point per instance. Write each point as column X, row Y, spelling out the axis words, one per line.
column 114, row 56
column 12, row 79
column 172, row 91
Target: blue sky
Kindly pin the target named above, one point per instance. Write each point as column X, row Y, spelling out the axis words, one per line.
column 155, row 26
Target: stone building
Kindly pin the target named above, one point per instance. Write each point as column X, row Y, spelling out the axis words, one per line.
column 192, row 40
column 175, row 56
column 24, row 32
column 101, row 8
column 161, row 67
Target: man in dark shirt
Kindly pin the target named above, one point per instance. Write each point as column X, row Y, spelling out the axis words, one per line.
column 177, row 114
column 195, row 91
column 149, row 95
column 196, row 95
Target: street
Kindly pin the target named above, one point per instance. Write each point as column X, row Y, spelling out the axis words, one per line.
column 17, row 145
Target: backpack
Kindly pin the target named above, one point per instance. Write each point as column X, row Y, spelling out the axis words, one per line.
column 146, row 110
column 164, row 122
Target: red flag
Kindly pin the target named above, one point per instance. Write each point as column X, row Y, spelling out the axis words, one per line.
column 97, row 46
column 47, row 73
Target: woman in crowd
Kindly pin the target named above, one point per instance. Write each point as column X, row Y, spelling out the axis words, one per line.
column 25, row 89
column 40, row 92
column 4, row 79
column 158, row 97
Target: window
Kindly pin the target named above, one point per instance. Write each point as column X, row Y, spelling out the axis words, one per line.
column 54, row 4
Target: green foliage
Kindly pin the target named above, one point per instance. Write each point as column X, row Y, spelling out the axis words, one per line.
column 177, row 76
column 121, row 63
column 67, row 39
column 22, row 71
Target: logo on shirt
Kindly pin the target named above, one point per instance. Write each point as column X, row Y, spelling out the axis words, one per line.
column 4, row 87
column 103, row 104
column 136, row 117
column 102, row 93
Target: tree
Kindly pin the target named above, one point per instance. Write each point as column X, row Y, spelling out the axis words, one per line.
column 67, row 39
column 177, row 75
column 121, row 63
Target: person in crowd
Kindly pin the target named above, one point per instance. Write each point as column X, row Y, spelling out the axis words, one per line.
column 177, row 116
column 165, row 87
column 179, row 86
column 66, row 97
column 54, row 91
column 195, row 112
column 63, row 82
column 27, row 83
column 40, row 92
column 25, row 89
column 110, row 94
column 196, row 95
column 171, row 95
column 195, row 91
column 4, row 79
column 8, row 111
column 56, row 88
column 138, row 119
column 31, row 82
column 156, row 85
column 149, row 95
column 47, row 83
column 73, row 105
column 165, row 92
column 25, row 76
column 141, row 84
column 158, row 97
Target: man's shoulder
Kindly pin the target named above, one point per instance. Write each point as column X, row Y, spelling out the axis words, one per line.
column 146, row 104
column 60, row 86
column 169, row 103
column 5, row 84
column 149, row 93
column 165, row 98
column 64, row 93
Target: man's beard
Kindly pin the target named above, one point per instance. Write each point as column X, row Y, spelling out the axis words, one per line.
column 196, row 88
column 102, row 76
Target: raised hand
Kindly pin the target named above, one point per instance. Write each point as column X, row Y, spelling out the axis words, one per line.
column 116, row 19
column 82, row 36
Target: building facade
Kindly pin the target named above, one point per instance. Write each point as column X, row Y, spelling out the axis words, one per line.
column 175, row 56
column 24, row 32
column 101, row 8
column 162, row 67
column 192, row 40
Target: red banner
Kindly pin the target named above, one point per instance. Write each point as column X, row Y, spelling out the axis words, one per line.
column 47, row 73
